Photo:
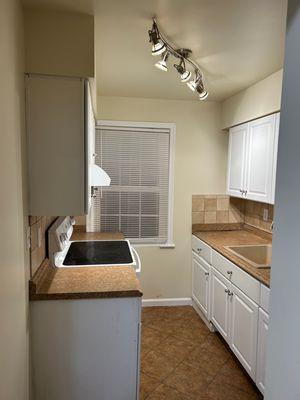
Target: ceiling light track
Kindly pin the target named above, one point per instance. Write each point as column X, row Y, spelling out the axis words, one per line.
column 161, row 46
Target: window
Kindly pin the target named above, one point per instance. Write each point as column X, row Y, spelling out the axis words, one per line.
column 138, row 157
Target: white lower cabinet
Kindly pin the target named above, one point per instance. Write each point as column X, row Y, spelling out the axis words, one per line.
column 235, row 317
column 200, row 285
column 263, row 326
column 220, row 303
column 236, row 304
column 243, row 332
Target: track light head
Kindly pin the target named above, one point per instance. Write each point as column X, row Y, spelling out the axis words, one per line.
column 162, row 64
column 185, row 76
column 158, row 48
column 203, row 94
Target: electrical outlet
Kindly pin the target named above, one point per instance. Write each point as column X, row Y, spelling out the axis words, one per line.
column 266, row 214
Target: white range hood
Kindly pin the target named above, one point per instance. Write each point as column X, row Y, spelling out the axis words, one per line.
column 98, row 176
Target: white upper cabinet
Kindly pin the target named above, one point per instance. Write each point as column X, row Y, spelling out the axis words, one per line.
column 252, row 159
column 260, row 152
column 236, row 160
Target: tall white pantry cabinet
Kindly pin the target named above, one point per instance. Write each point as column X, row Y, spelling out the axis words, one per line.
column 252, row 159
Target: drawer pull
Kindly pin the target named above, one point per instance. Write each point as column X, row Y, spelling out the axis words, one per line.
column 206, row 273
column 199, row 250
column 229, row 273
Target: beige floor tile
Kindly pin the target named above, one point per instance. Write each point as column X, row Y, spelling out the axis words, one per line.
column 151, row 337
column 189, row 332
column 204, row 359
column 157, row 365
column 233, row 374
column 147, row 385
column 175, row 348
column 164, row 392
column 188, row 381
column 225, row 392
column 144, row 350
column 216, row 345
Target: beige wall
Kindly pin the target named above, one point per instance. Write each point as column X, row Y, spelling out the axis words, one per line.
column 14, row 268
column 59, row 43
column 200, row 167
column 262, row 98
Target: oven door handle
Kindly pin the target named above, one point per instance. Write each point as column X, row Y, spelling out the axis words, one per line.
column 137, row 259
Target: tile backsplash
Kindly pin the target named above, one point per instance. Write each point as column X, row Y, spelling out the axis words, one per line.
column 38, row 227
column 212, row 209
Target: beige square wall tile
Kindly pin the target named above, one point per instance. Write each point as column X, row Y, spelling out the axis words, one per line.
column 210, row 217
column 210, row 204
column 198, row 217
column 234, row 216
column 198, row 204
column 222, row 203
column 223, row 216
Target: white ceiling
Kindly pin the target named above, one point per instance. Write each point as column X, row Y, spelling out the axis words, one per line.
column 236, row 43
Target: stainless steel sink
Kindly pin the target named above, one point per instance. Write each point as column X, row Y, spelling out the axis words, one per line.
column 260, row 256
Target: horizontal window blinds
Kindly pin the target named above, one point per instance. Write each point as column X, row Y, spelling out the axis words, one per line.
column 136, row 203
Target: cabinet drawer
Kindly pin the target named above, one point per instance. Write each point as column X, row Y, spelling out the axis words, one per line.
column 264, row 298
column 201, row 248
column 245, row 282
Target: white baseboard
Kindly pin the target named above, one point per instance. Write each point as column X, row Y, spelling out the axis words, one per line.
column 185, row 301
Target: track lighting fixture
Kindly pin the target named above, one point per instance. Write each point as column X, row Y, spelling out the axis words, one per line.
column 161, row 46
column 162, row 64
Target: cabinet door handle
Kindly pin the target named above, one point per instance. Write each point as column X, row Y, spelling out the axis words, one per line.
column 206, row 273
column 230, row 293
column 227, row 291
column 199, row 250
column 229, row 273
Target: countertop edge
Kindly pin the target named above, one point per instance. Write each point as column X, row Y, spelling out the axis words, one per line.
column 85, row 296
column 225, row 254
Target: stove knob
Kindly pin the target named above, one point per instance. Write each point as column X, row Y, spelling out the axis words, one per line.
column 63, row 237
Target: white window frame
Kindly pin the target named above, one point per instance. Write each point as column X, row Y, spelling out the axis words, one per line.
column 153, row 125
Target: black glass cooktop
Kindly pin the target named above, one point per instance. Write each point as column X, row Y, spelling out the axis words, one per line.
column 98, row 252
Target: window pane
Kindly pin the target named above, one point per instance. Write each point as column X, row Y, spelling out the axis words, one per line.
column 149, row 227
column 130, row 226
column 150, row 203
column 130, row 203
column 110, row 203
column 109, row 223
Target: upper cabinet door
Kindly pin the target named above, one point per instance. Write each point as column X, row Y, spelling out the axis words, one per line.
column 56, row 142
column 260, row 159
column 236, row 160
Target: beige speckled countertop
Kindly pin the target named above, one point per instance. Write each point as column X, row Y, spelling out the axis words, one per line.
column 219, row 239
column 50, row 283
